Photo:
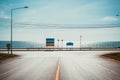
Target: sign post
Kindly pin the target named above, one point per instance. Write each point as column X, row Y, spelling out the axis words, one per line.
column 50, row 42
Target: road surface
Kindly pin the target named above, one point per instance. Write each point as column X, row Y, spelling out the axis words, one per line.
column 60, row 65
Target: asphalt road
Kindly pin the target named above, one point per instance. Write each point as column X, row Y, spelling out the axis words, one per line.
column 60, row 65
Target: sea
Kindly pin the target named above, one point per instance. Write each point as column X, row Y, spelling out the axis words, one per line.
column 28, row 44
column 21, row 44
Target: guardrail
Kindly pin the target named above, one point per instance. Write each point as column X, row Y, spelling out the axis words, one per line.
column 62, row 49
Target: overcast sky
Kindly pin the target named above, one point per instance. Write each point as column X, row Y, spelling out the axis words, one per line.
column 61, row 19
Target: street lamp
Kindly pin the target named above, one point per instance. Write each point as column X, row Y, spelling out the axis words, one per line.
column 80, row 40
column 12, row 22
column 58, row 42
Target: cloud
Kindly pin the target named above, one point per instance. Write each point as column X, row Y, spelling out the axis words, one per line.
column 3, row 16
column 109, row 19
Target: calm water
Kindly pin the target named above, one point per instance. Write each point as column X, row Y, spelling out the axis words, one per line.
column 26, row 44
column 21, row 44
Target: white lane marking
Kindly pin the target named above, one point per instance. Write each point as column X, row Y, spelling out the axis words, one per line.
column 58, row 71
column 7, row 72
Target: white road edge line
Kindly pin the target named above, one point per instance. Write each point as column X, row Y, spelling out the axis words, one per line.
column 7, row 72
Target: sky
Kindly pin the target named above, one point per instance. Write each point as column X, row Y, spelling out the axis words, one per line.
column 95, row 20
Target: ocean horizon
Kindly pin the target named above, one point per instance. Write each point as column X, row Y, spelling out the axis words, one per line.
column 29, row 44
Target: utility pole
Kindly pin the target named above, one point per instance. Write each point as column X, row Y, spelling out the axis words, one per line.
column 62, row 43
column 58, row 43
column 80, row 41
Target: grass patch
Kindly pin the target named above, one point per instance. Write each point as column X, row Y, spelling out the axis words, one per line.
column 4, row 56
column 115, row 56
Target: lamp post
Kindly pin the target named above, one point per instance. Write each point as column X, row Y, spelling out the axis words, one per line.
column 80, row 41
column 58, row 42
column 12, row 24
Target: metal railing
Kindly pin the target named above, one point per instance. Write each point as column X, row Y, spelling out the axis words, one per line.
column 61, row 49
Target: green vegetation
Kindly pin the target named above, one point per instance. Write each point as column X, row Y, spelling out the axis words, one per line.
column 115, row 56
column 5, row 56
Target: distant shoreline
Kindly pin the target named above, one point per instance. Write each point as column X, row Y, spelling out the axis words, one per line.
column 28, row 44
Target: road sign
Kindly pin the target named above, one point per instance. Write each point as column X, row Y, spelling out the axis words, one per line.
column 69, row 44
column 8, row 47
column 50, row 42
